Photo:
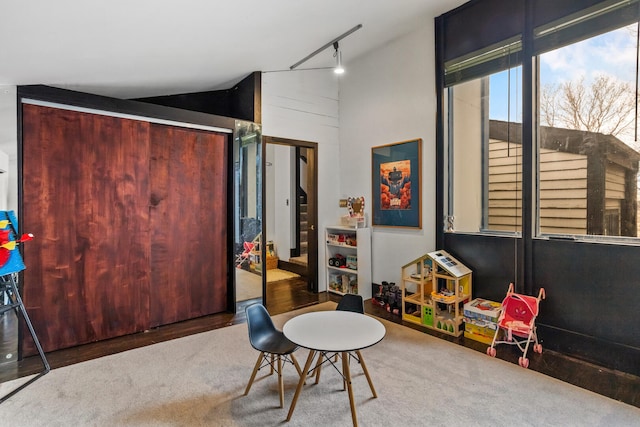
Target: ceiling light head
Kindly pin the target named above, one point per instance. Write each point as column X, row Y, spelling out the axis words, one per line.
column 338, row 55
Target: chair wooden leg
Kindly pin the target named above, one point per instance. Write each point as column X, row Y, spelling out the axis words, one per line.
column 273, row 359
column 253, row 374
column 280, row 382
column 366, row 373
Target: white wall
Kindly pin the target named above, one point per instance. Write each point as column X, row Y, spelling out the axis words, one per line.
column 9, row 147
column 389, row 96
column 303, row 105
column 384, row 97
column 279, row 201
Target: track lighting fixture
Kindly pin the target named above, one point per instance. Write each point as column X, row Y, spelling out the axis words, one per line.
column 338, row 54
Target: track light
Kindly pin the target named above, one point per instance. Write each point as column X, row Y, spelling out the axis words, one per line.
column 338, row 55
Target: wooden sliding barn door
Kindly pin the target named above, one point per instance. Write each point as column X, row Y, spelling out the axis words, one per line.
column 129, row 219
column 85, row 181
column 188, row 224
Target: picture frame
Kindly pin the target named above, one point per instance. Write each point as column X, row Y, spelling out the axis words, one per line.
column 396, row 171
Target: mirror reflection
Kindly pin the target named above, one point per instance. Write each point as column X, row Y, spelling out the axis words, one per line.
column 247, row 163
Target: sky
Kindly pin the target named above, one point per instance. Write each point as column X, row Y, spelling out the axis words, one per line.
column 612, row 54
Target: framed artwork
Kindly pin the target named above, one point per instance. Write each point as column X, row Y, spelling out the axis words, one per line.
column 396, row 184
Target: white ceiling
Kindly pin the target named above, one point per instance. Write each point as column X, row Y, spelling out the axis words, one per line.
column 137, row 48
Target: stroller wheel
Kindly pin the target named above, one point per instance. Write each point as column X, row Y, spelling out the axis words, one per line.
column 537, row 348
column 524, row 362
column 491, row 351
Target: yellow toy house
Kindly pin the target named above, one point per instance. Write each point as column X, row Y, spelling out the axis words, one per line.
column 434, row 290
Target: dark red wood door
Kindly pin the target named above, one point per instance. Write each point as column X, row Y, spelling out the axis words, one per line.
column 85, row 182
column 188, row 207
column 129, row 220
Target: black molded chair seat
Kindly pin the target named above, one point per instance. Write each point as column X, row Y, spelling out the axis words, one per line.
column 272, row 342
column 273, row 346
column 351, row 302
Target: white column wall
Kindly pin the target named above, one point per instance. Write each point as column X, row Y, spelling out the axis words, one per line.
column 389, row 96
column 8, row 147
column 303, row 105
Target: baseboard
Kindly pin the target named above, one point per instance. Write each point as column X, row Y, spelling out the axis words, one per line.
column 599, row 352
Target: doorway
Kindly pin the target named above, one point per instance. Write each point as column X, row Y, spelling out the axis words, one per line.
column 290, row 222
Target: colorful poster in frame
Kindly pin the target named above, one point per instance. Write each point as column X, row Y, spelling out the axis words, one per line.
column 396, row 184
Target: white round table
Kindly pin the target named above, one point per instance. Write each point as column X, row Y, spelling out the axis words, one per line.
column 334, row 331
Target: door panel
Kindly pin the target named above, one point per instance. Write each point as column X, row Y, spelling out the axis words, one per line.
column 312, row 217
column 188, row 224
column 130, row 225
column 87, row 268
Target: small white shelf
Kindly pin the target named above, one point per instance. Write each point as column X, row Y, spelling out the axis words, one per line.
column 342, row 280
column 342, row 269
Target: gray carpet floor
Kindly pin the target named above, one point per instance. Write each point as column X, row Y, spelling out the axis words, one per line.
column 199, row 380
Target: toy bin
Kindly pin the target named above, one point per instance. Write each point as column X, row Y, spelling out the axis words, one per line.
column 272, row 262
column 480, row 319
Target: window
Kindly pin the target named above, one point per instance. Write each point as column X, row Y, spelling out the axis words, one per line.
column 486, row 153
column 582, row 136
column 587, row 147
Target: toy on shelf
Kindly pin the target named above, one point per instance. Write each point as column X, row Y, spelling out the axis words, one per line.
column 338, row 260
column 355, row 216
column 518, row 323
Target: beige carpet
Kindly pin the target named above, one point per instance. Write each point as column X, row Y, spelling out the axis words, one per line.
column 249, row 285
column 276, row 274
column 199, row 381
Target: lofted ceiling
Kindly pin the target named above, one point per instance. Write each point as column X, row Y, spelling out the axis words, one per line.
column 139, row 48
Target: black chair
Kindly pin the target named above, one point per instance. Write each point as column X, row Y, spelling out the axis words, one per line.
column 273, row 346
column 351, row 302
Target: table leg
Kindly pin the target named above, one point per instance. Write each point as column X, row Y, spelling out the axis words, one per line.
column 303, row 378
column 347, row 375
column 366, row 373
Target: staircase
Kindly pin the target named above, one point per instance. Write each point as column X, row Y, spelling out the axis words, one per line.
column 304, row 246
column 304, row 230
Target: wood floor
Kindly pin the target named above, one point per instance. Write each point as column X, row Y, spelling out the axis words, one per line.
column 289, row 295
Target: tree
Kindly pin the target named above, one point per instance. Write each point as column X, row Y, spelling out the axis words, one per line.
column 607, row 106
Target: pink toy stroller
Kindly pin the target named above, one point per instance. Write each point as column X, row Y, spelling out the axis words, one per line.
column 244, row 256
column 518, row 320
